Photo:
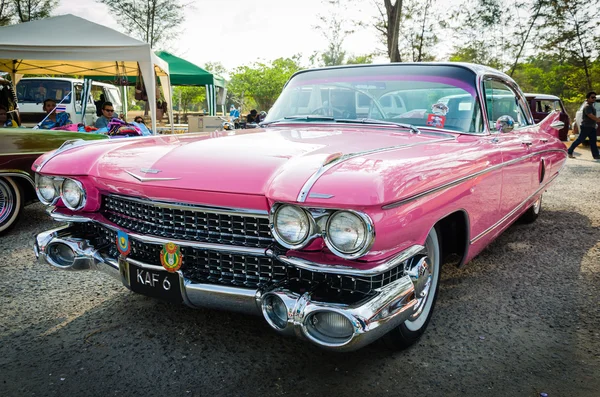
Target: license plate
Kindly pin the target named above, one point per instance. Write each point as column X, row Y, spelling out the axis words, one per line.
column 155, row 283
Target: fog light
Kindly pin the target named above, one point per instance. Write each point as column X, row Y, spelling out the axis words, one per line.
column 330, row 327
column 275, row 312
column 61, row 254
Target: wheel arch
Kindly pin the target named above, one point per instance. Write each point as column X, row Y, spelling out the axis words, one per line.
column 453, row 231
column 25, row 182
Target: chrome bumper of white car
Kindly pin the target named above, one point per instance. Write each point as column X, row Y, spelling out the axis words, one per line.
column 334, row 326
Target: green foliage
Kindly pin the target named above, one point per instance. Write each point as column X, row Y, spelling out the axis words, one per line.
column 359, row 59
column 261, row 83
column 190, row 98
column 17, row 11
column 216, row 68
column 153, row 21
column 5, row 12
column 548, row 75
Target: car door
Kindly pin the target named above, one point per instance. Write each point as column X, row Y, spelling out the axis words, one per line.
column 516, row 143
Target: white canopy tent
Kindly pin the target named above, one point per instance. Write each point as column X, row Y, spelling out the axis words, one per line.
column 69, row 45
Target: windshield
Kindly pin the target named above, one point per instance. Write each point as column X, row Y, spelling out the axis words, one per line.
column 435, row 96
column 38, row 90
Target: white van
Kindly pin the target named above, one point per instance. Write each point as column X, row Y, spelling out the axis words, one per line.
column 32, row 91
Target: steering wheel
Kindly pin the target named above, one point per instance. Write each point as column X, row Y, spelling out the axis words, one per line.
column 330, row 110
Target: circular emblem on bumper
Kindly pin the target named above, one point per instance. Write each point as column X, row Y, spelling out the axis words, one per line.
column 123, row 244
column 171, row 257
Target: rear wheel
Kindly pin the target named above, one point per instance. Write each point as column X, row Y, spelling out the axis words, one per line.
column 426, row 279
column 533, row 212
column 11, row 203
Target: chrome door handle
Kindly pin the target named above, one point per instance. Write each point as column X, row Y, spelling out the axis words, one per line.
column 527, row 142
column 544, row 140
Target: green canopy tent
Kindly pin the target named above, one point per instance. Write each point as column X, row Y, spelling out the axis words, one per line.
column 184, row 73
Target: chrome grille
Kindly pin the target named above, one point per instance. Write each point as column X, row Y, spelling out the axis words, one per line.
column 181, row 223
column 215, row 267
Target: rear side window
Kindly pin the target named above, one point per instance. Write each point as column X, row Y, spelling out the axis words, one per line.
column 36, row 91
column 547, row 106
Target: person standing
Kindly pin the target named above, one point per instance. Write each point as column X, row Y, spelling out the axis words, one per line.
column 587, row 129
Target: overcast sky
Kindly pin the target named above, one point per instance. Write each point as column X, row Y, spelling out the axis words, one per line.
column 237, row 32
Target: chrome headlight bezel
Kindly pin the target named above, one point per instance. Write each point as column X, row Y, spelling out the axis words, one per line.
column 55, row 184
column 363, row 248
column 81, row 189
column 277, row 235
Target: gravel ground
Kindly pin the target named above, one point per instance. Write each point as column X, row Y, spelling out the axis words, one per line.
column 520, row 319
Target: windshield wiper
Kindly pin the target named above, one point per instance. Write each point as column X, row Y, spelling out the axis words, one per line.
column 381, row 122
column 297, row 118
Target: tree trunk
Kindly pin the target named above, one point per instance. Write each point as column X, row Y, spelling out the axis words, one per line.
column 394, row 12
column 584, row 58
column 524, row 41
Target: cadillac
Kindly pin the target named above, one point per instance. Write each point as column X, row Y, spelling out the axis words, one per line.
column 332, row 220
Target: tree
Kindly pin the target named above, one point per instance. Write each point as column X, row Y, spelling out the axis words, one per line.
column 359, row 59
column 388, row 24
column 189, row 96
column 525, row 32
column 5, row 12
column 216, row 68
column 479, row 27
column 153, row 21
column 570, row 31
column 418, row 30
column 30, row 10
column 262, row 82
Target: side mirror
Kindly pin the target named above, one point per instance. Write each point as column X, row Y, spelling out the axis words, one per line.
column 505, row 124
column 557, row 125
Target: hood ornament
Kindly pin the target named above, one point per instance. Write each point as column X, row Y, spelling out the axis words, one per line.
column 149, row 179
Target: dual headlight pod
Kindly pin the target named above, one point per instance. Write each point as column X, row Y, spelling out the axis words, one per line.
column 348, row 234
column 49, row 189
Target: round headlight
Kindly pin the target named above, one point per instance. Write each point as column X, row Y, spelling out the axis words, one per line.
column 347, row 233
column 72, row 194
column 292, row 225
column 45, row 189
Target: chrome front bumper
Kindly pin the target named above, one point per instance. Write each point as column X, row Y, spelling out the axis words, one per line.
column 370, row 319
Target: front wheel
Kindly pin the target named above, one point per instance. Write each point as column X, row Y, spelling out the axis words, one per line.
column 426, row 291
column 533, row 212
column 11, row 203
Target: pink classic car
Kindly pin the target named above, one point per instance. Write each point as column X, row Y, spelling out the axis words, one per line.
column 332, row 220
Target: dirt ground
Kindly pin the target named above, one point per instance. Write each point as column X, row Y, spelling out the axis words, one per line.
column 521, row 319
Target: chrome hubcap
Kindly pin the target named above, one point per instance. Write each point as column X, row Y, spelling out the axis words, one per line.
column 7, row 201
column 421, row 276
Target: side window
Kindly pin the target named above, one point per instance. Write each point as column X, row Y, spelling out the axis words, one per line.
column 386, row 102
column 501, row 100
column 78, row 92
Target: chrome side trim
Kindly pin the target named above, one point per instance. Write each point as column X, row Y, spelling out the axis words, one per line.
column 192, row 207
column 302, row 196
column 511, row 213
column 465, row 178
column 67, row 145
column 352, row 271
column 18, row 173
column 161, row 241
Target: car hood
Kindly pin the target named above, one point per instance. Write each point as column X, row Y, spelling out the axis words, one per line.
column 276, row 162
